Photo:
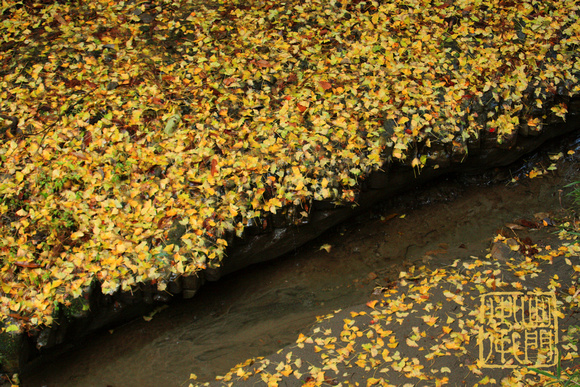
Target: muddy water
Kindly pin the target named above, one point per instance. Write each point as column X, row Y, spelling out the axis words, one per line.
column 261, row 309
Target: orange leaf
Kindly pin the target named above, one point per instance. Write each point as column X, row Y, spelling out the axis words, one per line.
column 28, row 265
column 263, row 63
column 18, row 317
column 301, row 108
column 213, row 166
column 371, row 304
column 87, row 138
column 325, row 85
column 157, row 101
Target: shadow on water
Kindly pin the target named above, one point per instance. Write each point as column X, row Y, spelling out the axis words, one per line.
column 257, row 311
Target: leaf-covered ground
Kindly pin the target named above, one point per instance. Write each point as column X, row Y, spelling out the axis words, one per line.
column 121, row 120
column 424, row 329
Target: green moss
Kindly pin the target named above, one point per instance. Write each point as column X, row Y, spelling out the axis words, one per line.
column 10, row 350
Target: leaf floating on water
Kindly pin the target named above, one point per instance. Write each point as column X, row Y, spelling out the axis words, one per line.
column 388, row 217
column 326, row 247
column 149, row 317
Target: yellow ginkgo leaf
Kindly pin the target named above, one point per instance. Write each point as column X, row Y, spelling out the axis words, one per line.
column 326, row 247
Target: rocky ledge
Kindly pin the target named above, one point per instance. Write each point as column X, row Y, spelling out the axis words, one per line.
column 276, row 235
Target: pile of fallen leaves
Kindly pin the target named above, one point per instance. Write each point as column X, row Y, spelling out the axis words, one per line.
column 123, row 120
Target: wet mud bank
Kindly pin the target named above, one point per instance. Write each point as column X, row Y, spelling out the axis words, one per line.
column 259, row 309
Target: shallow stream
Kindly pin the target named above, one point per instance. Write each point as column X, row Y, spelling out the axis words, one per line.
column 259, row 310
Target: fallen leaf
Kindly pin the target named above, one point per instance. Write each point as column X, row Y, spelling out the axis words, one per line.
column 371, row 304
column 263, row 63
column 325, row 85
